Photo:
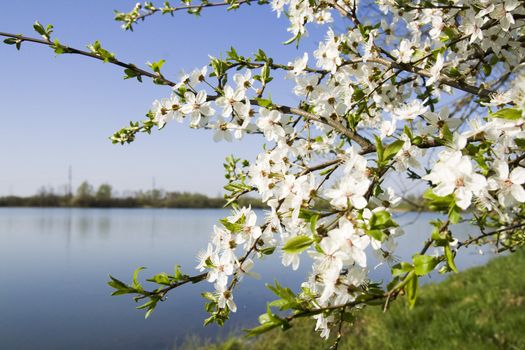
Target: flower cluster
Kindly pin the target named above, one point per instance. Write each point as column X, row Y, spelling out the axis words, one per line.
column 431, row 92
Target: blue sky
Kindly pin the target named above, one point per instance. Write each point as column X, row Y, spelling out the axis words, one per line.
column 60, row 111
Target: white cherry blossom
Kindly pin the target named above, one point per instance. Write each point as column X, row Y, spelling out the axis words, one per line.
column 508, row 186
column 454, row 173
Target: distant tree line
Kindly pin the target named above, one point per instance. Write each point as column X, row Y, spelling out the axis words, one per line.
column 86, row 196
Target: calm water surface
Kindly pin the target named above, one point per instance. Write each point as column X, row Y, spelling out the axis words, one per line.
column 54, row 265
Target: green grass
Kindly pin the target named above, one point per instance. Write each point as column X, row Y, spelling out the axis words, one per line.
column 481, row 308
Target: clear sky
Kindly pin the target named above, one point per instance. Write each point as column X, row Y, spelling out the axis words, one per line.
column 60, row 111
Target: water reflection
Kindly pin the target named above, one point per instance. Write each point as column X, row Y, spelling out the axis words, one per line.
column 54, row 264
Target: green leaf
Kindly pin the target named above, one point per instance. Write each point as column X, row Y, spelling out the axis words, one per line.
column 328, row 170
column 487, row 69
column 121, row 287
column 451, row 32
column 232, row 54
column 437, row 203
column 156, row 66
column 161, row 278
column 291, row 40
column 411, row 290
column 448, row 136
column 313, row 223
column 98, row 50
column 282, row 304
column 267, row 251
column 39, row 28
column 401, row 268
column 508, row 114
column 266, row 103
column 520, row 142
column 59, row 49
column 210, row 296
column 378, row 235
column 297, row 244
column 381, row 220
column 392, row 149
column 454, row 72
column 306, row 214
column 219, row 67
column 450, row 258
column 148, row 313
column 49, row 30
column 231, row 226
column 268, row 321
column 261, row 56
column 423, row 264
column 379, row 150
column 136, row 284
column 454, row 214
column 149, row 306
column 130, row 73
column 281, row 292
column 441, row 238
column 177, row 274
column 265, row 73
column 408, row 132
column 11, row 41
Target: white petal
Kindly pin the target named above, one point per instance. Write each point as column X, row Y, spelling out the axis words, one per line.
column 359, row 202
column 189, row 97
column 201, row 97
column 463, row 198
column 517, row 176
column 502, row 169
column 444, row 189
column 492, row 184
column 360, row 257
column 295, row 262
column 518, row 192
column 231, row 305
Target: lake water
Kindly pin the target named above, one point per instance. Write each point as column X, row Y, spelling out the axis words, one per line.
column 54, row 265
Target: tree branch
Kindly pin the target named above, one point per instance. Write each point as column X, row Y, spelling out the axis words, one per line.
column 134, row 16
column 488, row 234
column 72, row 50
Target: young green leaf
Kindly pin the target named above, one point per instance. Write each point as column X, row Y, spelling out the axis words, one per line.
column 508, row 113
column 297, row 244
column 392, row 149
column 401, row 268
column 411, row 289
column 313, row 223
column 378, row 235
column 423, row 264
column 136, row 284
column 381, row 220
column 450, row 258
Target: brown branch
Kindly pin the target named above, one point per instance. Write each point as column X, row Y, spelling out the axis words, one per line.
column 488, row 234
column 475, row 90
column 320, row 166
column 72, row 50
column 363, row 142
column 366, row 145
column 170, row 10
column 162, row 292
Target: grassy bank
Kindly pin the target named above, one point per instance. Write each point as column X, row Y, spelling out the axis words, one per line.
column 481, row 308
